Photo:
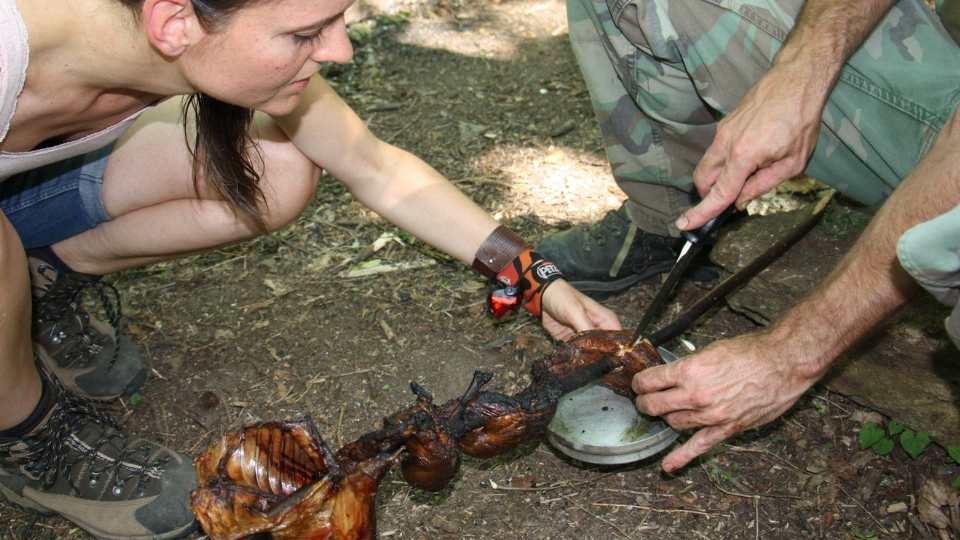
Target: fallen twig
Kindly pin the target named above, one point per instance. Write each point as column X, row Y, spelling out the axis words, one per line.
column 464, row 306
column 833, row 403
column 221, row 263
column 291, row 245
column 322, row 378
column 766, row 453
column 756, row 518
column 594, row 516
column 862, row 507
column 554, row 486
column 658, row 510
column 340, row 427
column 918, row 525
column 717, row 485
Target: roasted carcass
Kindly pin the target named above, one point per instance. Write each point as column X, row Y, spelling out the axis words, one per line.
column 282, row 479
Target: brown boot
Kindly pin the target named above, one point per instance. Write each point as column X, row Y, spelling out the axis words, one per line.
column 77, row 463
column 90, row 357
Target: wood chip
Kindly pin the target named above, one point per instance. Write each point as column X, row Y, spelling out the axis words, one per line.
column 387, row 330
column 386, row 268
column 897, row 507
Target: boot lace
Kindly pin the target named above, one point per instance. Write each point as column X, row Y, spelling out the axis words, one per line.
column 56, row 453
column 61, row 305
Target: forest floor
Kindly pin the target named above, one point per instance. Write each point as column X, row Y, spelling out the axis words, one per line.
column 489, row 93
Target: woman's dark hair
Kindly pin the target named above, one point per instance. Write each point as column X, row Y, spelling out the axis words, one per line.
column 223, row 151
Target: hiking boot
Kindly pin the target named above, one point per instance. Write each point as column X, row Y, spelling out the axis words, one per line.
column 604, row 258
column 77, row 463
column 89, row 356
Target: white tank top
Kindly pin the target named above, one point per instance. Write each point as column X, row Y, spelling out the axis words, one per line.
column 14, row 56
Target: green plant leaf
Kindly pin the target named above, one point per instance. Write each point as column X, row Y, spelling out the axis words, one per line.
column 914, row 443
column 956, row 483
column 870, row 434
column 820, row 408
column 136, row 399
column 954, row 452
column 883, row 447
column 894, row 428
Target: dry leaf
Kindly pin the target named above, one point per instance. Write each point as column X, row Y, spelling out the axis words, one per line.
column 862, row 459
column 282, row 391
column 817, row 466
column 554, row 157
column 800, row 184
column 862, row 417
column 136, row 330
column 933, row 495
column 896, row 507
column 374, row 267
column 472, row 286
column 320, row 262
column 384, row 239
column 222, row 334
column 276, row 288
column 523, row 481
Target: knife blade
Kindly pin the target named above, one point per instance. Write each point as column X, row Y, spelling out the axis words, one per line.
column 695, row 242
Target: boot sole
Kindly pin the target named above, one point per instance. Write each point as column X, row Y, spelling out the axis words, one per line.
column 601, row 290
column 32, row 506
column 24, row 503
column 132, row 387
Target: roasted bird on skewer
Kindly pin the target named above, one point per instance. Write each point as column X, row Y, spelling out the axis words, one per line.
column 282, row 479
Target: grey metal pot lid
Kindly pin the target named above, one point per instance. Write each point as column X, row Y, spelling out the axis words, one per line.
column 595, row 425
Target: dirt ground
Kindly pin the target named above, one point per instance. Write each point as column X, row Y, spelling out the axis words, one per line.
column 489, row 93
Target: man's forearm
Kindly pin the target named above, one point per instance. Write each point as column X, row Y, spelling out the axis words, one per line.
column 826, row 34
column 869, row 283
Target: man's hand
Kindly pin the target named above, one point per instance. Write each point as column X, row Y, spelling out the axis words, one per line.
column 567, row 311
column 731, row 386
column 748, row 381
column 771, row 134
column 766, row 140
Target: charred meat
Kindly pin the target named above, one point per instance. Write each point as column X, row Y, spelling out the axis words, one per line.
column 280, row 478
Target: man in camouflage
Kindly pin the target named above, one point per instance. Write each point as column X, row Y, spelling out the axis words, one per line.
column 733, row 98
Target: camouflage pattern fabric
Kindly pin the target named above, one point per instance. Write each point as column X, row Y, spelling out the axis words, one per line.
column 661, row 73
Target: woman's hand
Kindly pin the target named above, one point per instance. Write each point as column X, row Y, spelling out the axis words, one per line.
column 567, row 311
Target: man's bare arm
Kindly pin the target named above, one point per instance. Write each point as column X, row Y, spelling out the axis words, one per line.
column 869, row 284
column 748, row 381
column 827, row 33
column 771, row 134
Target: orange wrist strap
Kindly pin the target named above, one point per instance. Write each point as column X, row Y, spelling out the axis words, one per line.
column 526, row 277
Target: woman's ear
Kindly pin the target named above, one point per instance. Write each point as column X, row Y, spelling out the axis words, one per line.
column 171, row 25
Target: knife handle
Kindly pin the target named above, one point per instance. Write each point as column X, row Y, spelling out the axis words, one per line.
column 708, row 227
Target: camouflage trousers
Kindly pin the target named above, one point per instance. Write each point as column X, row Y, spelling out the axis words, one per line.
column 661, row 73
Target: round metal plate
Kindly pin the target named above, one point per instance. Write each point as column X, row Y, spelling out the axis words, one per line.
column 595, row 425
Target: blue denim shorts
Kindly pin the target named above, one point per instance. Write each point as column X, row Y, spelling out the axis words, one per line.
column 57, row 201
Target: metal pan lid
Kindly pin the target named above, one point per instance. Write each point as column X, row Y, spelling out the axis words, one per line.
column 595, row 425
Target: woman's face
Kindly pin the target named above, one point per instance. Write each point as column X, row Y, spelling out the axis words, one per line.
column 264, row 55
